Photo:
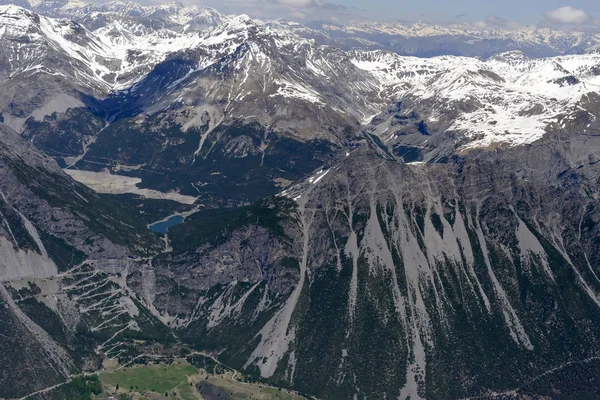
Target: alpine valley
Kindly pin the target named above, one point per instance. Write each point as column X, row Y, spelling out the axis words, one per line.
column 370, row 211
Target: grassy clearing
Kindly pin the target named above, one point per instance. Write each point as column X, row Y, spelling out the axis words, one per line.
column 182, row 381
column 154, row 378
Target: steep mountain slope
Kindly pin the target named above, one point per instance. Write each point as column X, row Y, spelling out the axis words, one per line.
column 387, row 279
column 63, row 254
column 441, row 275
column 50, row 58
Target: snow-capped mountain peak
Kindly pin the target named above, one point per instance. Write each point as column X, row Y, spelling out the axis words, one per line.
column 508, row 99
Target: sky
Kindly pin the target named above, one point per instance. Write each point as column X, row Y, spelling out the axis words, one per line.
column 576, row 13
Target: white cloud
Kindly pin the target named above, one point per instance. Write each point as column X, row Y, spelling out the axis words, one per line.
column 568, row 15
column 295, row 3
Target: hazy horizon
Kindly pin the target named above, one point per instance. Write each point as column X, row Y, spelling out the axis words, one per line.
column 575, row 14
column 579, row 15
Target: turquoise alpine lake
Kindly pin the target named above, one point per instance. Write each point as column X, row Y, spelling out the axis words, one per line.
column 163, row 226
